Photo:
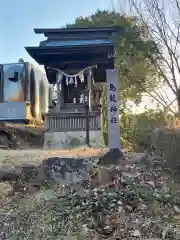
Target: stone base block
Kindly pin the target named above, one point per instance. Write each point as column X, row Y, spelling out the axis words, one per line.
column 64, row 140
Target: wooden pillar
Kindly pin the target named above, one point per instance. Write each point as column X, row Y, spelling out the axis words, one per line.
column 89, row 82
column 59, row 78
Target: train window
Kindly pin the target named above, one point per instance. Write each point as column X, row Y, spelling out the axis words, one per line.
column 13, row 90
column 42, row 93
column 32, row 92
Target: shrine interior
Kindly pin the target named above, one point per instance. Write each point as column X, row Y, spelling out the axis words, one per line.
column 72, row 89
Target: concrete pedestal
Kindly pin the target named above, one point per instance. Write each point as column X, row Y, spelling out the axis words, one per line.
column 64, row 140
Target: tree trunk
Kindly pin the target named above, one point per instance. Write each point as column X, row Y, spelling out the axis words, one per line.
column 178, row 102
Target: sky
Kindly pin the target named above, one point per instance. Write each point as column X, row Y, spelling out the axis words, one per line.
column 18, row 18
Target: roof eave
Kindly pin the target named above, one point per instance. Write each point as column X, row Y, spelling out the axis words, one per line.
column 76, row 30
column 55, row 48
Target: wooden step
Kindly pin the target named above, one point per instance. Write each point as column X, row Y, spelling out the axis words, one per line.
column 72, row 107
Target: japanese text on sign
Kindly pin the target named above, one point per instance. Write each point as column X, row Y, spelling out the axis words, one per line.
column 113, row 111
column 112, row 105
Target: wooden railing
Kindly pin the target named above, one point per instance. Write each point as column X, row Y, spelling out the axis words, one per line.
column 72, row 122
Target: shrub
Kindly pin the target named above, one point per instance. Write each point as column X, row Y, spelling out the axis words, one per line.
column 136, row 129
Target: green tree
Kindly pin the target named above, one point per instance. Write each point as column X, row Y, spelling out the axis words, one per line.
column 136, row 74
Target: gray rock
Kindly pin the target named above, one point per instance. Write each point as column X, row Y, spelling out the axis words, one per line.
column 112, row 156
column 9, row 174
column 67, row 169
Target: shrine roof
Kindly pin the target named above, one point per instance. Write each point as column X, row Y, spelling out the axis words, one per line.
column 69, row 53
column 75, row 45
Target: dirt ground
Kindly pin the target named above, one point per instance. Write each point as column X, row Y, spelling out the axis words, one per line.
column 12, row 162
column 36, row 156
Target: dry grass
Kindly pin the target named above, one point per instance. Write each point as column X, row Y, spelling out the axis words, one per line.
column 5, row 189
column 27, row 217
column 35, row 215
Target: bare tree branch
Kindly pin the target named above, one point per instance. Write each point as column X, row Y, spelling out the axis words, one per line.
column 165, row 106
column 162, row 18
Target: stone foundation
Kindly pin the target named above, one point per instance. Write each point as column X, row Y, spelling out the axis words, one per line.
column 62, row 140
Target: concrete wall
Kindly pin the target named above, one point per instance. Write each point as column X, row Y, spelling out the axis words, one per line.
column 62, row 140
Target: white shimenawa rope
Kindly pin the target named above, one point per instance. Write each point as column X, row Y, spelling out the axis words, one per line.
column 70, row 79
